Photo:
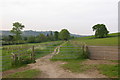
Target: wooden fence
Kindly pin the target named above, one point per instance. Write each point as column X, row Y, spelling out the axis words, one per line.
column 16, row 58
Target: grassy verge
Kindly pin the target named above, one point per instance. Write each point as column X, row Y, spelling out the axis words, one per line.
column 25, row 74
column 108, row 70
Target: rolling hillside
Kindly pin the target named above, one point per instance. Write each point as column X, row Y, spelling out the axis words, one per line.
column 33, row 33
column 111, row 40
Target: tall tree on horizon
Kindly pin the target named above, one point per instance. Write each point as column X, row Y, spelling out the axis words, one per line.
column 64, row 34
column 100, row 30
column 17, row 27
column 56, row 34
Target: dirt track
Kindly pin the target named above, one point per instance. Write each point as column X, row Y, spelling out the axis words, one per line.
column 53, row 70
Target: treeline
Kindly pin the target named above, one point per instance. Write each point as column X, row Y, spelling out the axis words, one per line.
column 53, row 36
column 64, row 34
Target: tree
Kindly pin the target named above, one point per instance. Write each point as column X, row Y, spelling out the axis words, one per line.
column 51, row 37
column 17, row 30
column 41, row 38
column 56, row 34
column 64, row 34
column 4, row 38
column 31, row 39
column 10, row 38
column 100, row 30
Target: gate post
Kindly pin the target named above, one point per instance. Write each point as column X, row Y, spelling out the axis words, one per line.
column 14, row 59
column 33, row 54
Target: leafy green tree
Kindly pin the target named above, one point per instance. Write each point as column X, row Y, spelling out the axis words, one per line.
column 100, row 30
column 17, row 27
column 56, row 34
column 25, row 38
column 31, row 39
column 51, row 37
column 4, row 38
column 51, row 34
column 41, row 38
column 64, row 34
column 10, row 38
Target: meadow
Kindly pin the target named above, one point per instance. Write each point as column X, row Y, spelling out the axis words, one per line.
column 111, row 40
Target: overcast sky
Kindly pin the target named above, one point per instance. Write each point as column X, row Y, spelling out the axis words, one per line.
column 78, row 16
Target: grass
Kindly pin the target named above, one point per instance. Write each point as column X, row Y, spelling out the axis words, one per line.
column 111, row 40
column 108, row 70
column 25, row 74
column 41, row 49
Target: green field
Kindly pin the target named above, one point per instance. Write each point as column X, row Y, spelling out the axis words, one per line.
column 41, row 49
column 111, row 40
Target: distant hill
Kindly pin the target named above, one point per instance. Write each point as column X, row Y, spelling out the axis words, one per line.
column 33, row 33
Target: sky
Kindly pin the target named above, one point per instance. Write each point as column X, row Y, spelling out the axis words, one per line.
column 78, row 16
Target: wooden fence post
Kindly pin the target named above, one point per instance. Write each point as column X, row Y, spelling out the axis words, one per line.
column 83, row 48
column 14, row 58
column 33, row 54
